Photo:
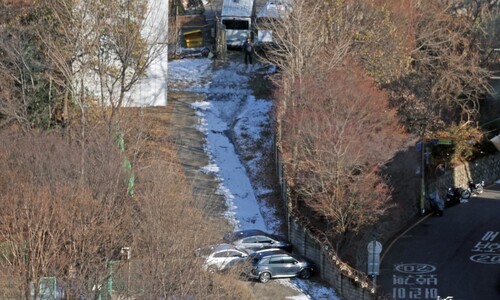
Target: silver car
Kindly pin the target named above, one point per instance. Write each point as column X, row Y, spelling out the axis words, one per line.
column 277, row 263
column 255, row 239
column 221, row 257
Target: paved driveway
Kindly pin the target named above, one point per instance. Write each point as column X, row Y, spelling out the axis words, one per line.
column 456, row 255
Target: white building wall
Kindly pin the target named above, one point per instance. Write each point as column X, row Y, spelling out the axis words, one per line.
column 152, row 90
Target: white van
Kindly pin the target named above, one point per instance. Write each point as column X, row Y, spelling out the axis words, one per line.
column 271, row 11
column 236, row 16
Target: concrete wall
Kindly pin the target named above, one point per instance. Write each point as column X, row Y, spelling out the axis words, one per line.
column 348, row 282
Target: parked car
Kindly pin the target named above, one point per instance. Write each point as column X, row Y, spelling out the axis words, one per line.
column 277, row 263
column 221, row 257
column 255, row 239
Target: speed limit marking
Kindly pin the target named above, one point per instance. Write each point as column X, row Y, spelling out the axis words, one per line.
column 488, row 249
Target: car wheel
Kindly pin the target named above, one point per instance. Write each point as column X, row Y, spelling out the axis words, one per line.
column 305, row 274
column 264, row 277
column 212, row 269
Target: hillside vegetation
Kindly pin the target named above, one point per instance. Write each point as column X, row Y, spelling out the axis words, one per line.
column 93, row 193
column 358, row 79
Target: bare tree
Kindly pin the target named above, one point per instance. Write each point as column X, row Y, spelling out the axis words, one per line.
column 339, row 136
column 172, row 223
column 299, row 35
column 58, row 225
column 449, row 76
column 110, row 46
column 316, row 36
column 130, row 42
column 322, row 117
column 86, row 53
column 172, row 227
column 29, row 94
column 54, row 225
column 383, row 38
column 73, row 60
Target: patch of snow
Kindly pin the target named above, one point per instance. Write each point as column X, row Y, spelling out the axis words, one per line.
column 231, row 113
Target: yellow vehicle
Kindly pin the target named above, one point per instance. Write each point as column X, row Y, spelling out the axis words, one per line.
column 193, row 39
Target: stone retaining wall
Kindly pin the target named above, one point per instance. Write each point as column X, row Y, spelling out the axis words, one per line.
column 486, row 168
column 348, row 282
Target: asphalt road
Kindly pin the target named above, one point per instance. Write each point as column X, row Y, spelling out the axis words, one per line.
column 456, row 255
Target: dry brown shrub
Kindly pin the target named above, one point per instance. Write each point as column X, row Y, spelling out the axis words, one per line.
column 63, row 215
column 337, row 136
column 68, row 202
column 171, row 224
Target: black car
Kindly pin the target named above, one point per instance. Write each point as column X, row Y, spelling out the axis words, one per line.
column 278, row 263
column 254, row 239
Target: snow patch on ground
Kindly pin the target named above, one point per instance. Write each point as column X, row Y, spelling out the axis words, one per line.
column 232, row 113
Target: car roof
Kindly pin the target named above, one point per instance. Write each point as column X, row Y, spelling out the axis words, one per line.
column 268, row 252
column 236, row 235
column 271, row 250
column 260, row 254
column 223, row 246
column 215, row 248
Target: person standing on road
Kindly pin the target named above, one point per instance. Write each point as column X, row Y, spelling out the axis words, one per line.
column 248, row 49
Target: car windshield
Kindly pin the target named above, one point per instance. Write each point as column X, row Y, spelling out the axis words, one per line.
column 265, row 240
column 276, row 237
column 250, row 240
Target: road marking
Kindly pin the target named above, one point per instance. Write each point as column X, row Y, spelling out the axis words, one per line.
column 414, row 281
column 488, row 248
column 486, row 259
column 415, row 268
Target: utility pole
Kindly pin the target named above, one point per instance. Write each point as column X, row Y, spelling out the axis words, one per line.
column 128, row 252
column 374, row 249
column 422, row 179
